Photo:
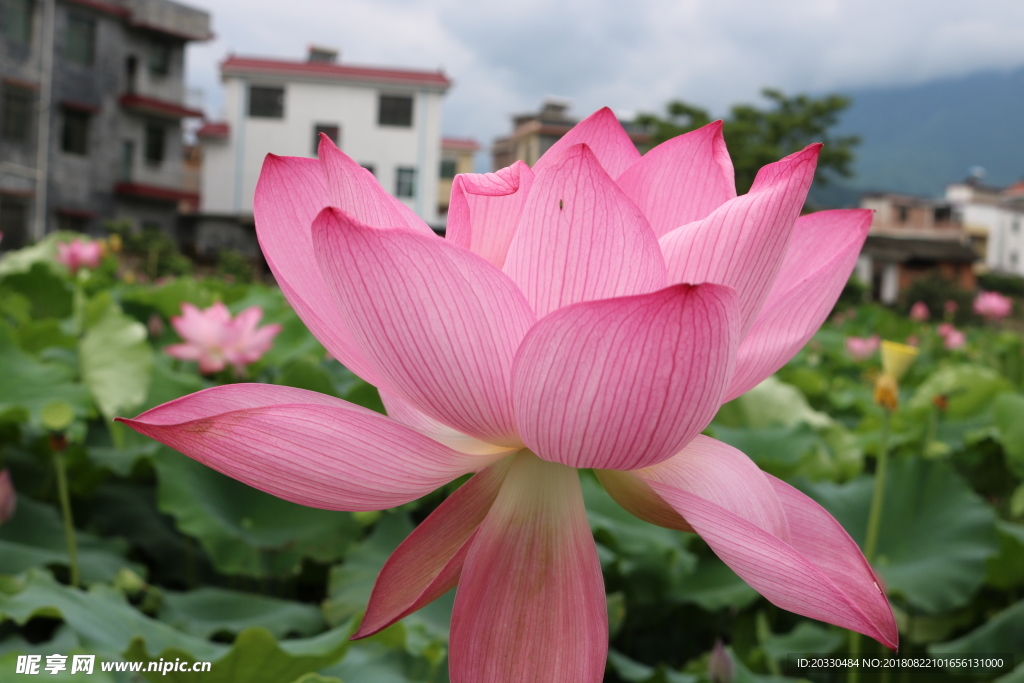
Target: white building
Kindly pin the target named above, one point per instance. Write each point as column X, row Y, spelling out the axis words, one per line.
column 996, row 215
column 388, row 120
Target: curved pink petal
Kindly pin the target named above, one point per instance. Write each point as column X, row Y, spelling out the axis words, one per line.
column 821, row 539
column 580, row 238
column 681, row 180
column 530, row 604
column 602, row 133
column 781, row 545
column 290, row 193
column 624, row 383
column 439, row 322
column 183, row 351
column 305, row 447
column 402, row 411
column 485, row 210
column 428, row 563
column 354, row 190
column 821, row 256
column 743, row 243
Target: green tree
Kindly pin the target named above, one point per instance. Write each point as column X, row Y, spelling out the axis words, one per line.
column 757, row 136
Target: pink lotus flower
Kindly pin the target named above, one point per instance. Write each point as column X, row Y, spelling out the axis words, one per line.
column 919, row 312
column 954, row 339
column 993, row 305
column 79, row 253
column 8, row 496
column 951, row 307
column 862, row 348
column 215, row 339
column 591, row 312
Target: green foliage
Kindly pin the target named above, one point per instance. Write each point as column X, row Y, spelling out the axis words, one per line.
column 116, row 362
column 934, row 291
column 234, row 267
column 1004, row 283
column 759, row 136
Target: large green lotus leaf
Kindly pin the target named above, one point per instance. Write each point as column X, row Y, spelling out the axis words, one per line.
column 404, row 652
column 43, row 252
column 117, row 362
column 806, row 637
column 350, row 583
column 776, row 427
column 167, row 298
column 714, row 586
column 1015, row 676
column 316, row 678
column 49, row 295
column 1006, row 569
column 101, row 618
column 209, row 611
column 935, row 534
column 1008, row 410
column 129, row 510
column 635, row 542
column 255, row 657
column 34, row 536
column 633, row 671
column 306, row 373
column 1001, row 634
column 246, row 531
column 37, row 335
column 969, row 388
column 30, row 385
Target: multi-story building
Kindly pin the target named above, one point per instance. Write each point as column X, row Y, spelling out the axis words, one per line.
column 93, row 98
column 912, row 237
column 456, row 157
column 996, row 217
column 534, row 133
column 388, row 120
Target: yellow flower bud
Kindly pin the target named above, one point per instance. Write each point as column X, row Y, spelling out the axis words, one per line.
column 896, row 358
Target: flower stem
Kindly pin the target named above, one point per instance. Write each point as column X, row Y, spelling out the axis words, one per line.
column 69, row 523
column 881, row 470
column 874, row 522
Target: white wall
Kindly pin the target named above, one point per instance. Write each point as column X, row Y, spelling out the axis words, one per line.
column 351, row 107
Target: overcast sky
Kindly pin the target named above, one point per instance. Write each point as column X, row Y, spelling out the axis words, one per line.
column 504, row 57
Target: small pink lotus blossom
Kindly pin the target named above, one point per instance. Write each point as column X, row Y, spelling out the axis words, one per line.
column 919, row 312
column 944, row 328
column 954, row 339
column 593, row 311
column 993, row 305
column 79, row 253
column 951, row 307
column 8, row 496
column 862, row 348
column 216, row 340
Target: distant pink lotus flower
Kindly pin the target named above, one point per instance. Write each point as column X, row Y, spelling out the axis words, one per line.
column 944, row 328
column 79, row 253
column 993, row 305
column 954, row 339
column 216, row 340
column 8, row 496
column 862, row 348
column 951, row 307
column 913, row 340
column 919, row 312
column 591, row 312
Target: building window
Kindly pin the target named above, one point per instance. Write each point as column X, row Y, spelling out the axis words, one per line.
column 405, row 182
column 1013, row 259
column 72, row 222
column 1015, row 227
column 395, row 111
column 80, row 47
column 904, row 213
column 74, row 137
column 266, row 103
column 447, row 169
column 330, row 130
column 159, row 58
column 13, row 222
column 18, row 20
column 17, row 113
column 155, row 135
column 127, row 160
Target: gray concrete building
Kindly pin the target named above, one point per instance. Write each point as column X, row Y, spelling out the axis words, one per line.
column 92, row 99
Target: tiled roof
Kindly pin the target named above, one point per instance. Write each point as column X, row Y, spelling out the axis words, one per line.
column 334, row 72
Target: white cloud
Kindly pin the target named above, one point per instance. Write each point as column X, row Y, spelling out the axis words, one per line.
column 504, row 57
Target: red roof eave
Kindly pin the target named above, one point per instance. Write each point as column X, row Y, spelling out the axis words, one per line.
column 106, row 7
column 159, row 107
column 214, row 130
column 279, row 67
column 163, row 194
column 466, row 144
